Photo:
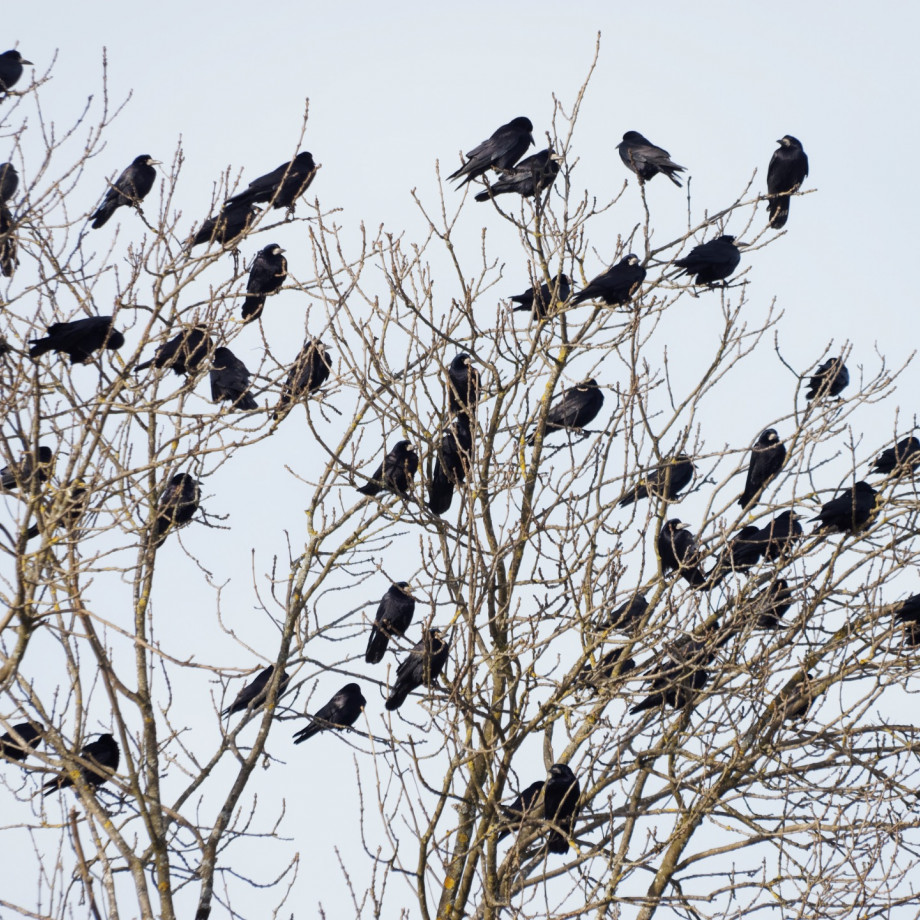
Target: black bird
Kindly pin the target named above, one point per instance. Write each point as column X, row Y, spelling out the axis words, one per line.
column 602, row 672
column 230, row 380
column 540, row 304
column 908, row 610
column 646, row 160
column 395, row 473
column 683, row 673
column 771, row 604
column 904, row 457
column 28, row 736
column 743, row 551
column 787, row 171
column 130, row 188
column 712, row 261
column 664, row 481
column 269, row 269
column 255, row 693
column 79, row 339
column 767, row 459
column 462, row 385
column 678, row 552
column 66, row 507
column 394, row 614
column 830, row 379
column 8, row 245
column 629, row 613
column 450, row 464
column 232, row 220
column 850, row 511
column 794, row 701
column 577, row 407
column 501, row 151
column 177, row 505
column 184, row 353
column 560, row 806
column 101, row 761
column 520, row 809
column 9, row 181
column 11, row 63
column 27, row 471
column 282, row 186
column 615, row 286
column 311, row 369
column 528, row 178
column 421, row 666
column 343, row 710
column 780, row 534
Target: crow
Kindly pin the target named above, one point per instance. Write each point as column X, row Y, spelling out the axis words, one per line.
column 646, row 160
column 560, row 806
column 230, row 380
column 9, row 182
column 342, row 711
column 795, row 699
column 98, row 762
column 269, row 269
column 556, row 292
column 617, row 285
column 680, row 676
column 903, row 457
column 908, row 610
column 577, row 407
column 311, row 369
column 851, row 510
column 742, row 553
column 79, row 339
column 422, row 665
column 394, row 614
column 787, row 171
column 603, row 672
column 232, row 221
column 11, row 63
column 395, row 473
column 255, row 693
column 21, row 740
column 66, row 507
column 629, row 613
column 282, row 186
column 27, row 471
column 450, row 465
column 528, row 178
column 130, row 188
column 664, row 481
column 501, row 151
column 177, row 505
column 184, row 353
column 712, row 261
column 780, row 534
column 520, row 809
column 770, row 605
column 767, row 459
column 462, row 385
column 830, row 379
column 678, row 552
column 8, row 244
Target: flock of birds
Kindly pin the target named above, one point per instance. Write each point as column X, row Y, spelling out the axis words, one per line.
column 682, row 672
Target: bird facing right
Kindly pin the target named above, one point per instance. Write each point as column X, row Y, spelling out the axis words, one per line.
column 129, row 189
column 767, row 459
column 394, row 615
column 395, row 473
column 830, row 379
column 852, row 510
column 712, row 261
column 342, row 711
column 560, row 806
column 787, row 171
column 501, row 151
column 101, row 761
column 269, row 269
column 616, row 286
column 177, row 505
column 577, row 407
column 11, row 63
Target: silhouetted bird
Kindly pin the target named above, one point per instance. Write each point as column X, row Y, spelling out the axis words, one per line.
column 421, row 666
column 626, row 615
column 615, row 286
column 177, row 505
column 678, row 552
column 79, row 339
column 230, row 380
column 520, row 809
column 787, row 171
column 646, row 160
column 11, row 63
column 560, row 806
column 9, row 181
column 269, row 269
column 23, row 474
column 771, row 604
column 794, row 700
column 743, row 551
column 462, row 385
column 767, row 459
column 908, row 610
column 780, row 534
column 712, row 261
column 851, row 510
column 184, row 353
column 540, row 304
column 130, row 188
column 394, row 614
column 67, row 506
column 8, row 244
column 255, row 693
column 501, row 151
column 232, row 220
column 603, row 671
column 450, row 465
column 528, row 178
column 829, row 379
column 342, row 711
column 664, row 481
column 577, row 407
column 395, row 473
column 309, row 372
column 904, row 457
column 282, row 186
column 101, row 761
column 28, row 736
column 679, row 678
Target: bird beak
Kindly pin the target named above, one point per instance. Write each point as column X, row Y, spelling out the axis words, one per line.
column 556, row 157
column 24, row 61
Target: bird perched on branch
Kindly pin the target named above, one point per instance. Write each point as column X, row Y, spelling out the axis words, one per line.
column 462, row 385
column 269, row 269
column 681, row 675
column 530, row 177
column 577, row 407
column 712, row 261
column 743, row 551
column 79, row 339
column 29, row 470
column 903, row 457
column 646, row 160
column 421, row 666
column 780, row 534
column 560, row 806
column 830, row 379
column 600, row 674
column 97, row 763
column 524, row 806
column 342, row 711
column 230, row 380
column 394, row 615
column 767, row 459
column 255, row 693
column 21, row 740
column 395, row 473
column 8, row 243
column 11, row 64
column 184, row 353
column 771, row 604
column 665, row 481
column 678, row 552
column 231, row 221
column 851, row 510
column 9, row 181
column 130, row 188
column 500, row 151
column 450, row 465
column 786, row 173
column 628, row 613
column 177, row 505
column 282, row 186
column 311, row 369
column 617, row 285
column 65, row 506
column 556, row 292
